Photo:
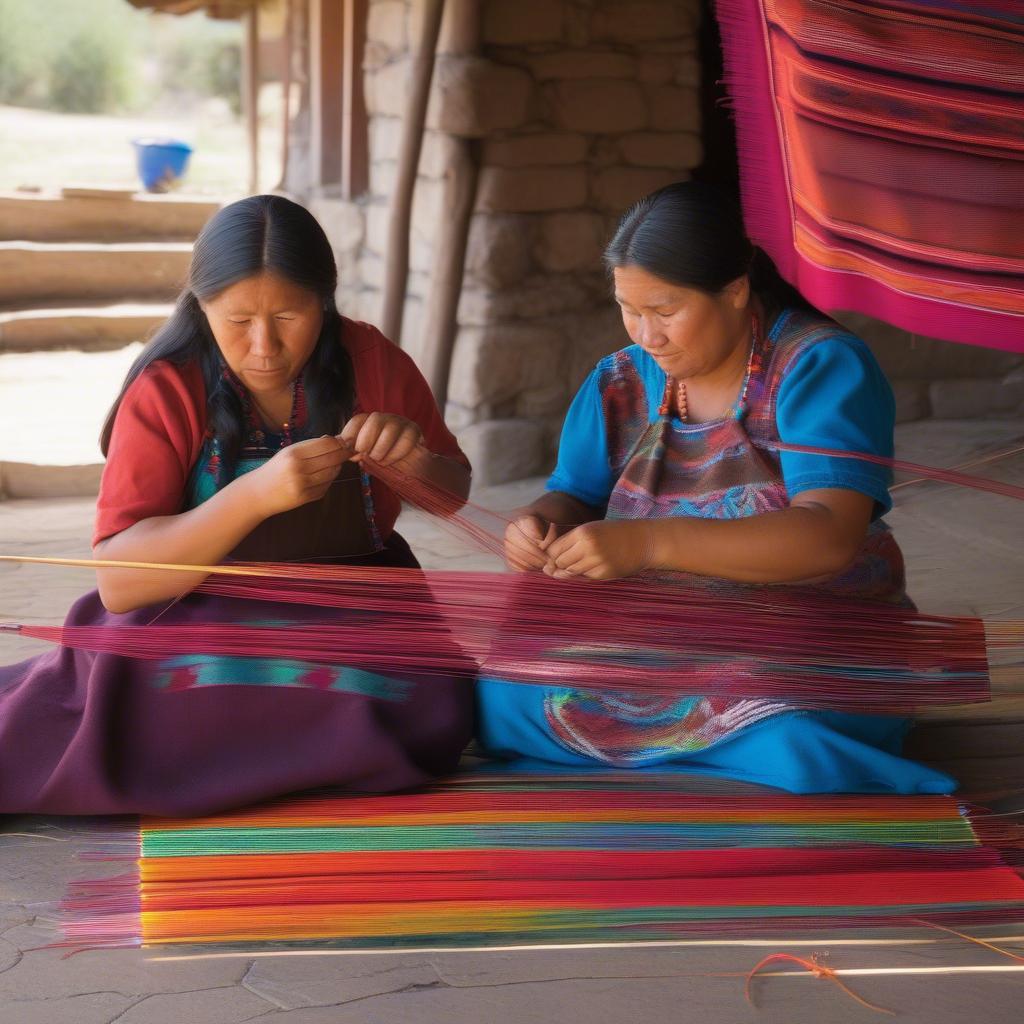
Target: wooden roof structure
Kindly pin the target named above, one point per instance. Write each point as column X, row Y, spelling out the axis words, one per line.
column 226, row 9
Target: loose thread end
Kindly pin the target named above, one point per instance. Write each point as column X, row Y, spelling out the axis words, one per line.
column 819, row 970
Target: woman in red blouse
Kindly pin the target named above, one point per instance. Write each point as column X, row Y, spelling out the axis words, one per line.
column 240, row 433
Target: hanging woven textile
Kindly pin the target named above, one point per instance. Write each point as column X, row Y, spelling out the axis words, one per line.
column 881, row 154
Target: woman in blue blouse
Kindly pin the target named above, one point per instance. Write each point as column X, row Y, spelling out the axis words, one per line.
column 667, row 462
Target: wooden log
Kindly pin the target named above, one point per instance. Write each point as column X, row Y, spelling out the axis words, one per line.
column 251, row 94
column 396, row 271
column 355, row 150
column 286, row 90
column 440, row 324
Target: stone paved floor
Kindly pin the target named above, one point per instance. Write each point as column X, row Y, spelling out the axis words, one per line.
column 964, row 553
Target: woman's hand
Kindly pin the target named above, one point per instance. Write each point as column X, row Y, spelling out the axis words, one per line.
column 298, row 474
column 606, row 549
column 382, row 437
column 526, row 541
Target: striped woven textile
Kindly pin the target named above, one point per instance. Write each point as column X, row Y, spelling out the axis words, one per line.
column 491, row 858
column 881, row 149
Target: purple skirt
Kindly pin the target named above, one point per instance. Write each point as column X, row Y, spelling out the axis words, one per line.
column 97, row 733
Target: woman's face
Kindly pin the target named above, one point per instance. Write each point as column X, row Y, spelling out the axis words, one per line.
column 688, row 332
column 266, row 328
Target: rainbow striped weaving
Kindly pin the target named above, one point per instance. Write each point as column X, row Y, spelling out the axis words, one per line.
column 492, row 858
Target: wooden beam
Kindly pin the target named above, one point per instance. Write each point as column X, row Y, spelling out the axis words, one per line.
column 286, row 89
column 460, row 34
column 251, row 94
column 326, row 52
column 440, row 322
column 355, row 128
column 396, row 270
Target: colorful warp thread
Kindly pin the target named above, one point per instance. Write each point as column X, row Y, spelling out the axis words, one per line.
column 676, row 634
column 493, row 858
column 881, row 147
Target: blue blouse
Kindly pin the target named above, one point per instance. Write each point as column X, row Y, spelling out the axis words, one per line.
column 834, row 396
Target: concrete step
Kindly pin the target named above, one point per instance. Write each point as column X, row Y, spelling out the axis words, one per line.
column 52, row 406
column 85, row 328
column 102, row 216
column 34, row 273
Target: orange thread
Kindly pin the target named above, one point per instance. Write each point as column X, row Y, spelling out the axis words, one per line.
column 819, row 970
column 970, row 938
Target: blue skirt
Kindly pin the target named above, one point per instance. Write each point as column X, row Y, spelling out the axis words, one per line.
column 798, row 751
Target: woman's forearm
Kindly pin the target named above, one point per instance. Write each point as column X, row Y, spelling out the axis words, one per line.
column 204, row 535
column 802, row 542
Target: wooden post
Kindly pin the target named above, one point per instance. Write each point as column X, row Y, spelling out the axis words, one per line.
column 440, row 324
column 355, row 143
column 460, row 35
column 251, row 94
column 396, row 270
column 326, row 51
column 286, row 89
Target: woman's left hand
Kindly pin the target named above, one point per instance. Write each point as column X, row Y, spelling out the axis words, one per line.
column 603, row 550
column 381, row 436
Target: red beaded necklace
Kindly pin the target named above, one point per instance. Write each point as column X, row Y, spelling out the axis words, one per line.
column 675, row 390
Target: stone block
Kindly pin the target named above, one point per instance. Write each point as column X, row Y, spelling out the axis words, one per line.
column 531, row 189
column 911, row 400
column 473, row 97
column 598, row 106
column 688, row 71
column 387, row 24
column 370, row 269
column 494, row 364
column 387, row 89
column 385, row 137
column 377, row 221
column 592, row 336
column 638, row 21
column 427, row 207
column 519, row 22
column 342, row 221
column 504, row 450
column 584, row 64
column 383, row 176
column 458, row 417
column 571, row 241
column 435, row 155
column 537, row 298
column 975, row 399
column 657, row 68
column 498, row 251
column 905, row 355
column 543, row 148
column 543, row 403
column 674, row 108
column 617, row 188
column 681, row 150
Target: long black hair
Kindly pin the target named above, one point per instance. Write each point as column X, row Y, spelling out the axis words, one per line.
column 691, row 234
column 253, row 235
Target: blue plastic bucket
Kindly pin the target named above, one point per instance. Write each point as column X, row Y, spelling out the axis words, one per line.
column 161, row 162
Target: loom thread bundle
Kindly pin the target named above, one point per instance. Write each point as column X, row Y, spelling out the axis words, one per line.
column 494, row 858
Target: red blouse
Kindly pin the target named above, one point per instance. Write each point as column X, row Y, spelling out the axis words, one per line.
column 161, row 423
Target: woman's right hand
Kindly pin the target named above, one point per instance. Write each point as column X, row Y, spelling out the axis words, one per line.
column 526, row 541
column 298, row 474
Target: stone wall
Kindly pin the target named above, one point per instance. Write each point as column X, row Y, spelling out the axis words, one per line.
column 579, row 107
column 942, row 379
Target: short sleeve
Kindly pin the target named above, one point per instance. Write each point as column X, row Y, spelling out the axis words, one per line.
column 836, row 396
column 156, row 439
column 584, row 468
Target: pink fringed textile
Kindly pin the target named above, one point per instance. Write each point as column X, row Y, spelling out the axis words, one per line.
column 882, row 156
